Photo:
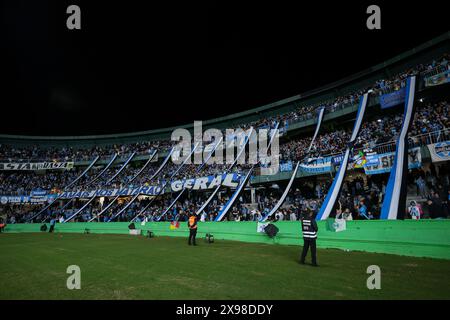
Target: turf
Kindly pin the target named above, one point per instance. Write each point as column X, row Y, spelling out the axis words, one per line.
column 33, row 266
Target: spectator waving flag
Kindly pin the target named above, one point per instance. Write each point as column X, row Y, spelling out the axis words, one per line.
column 174, row 225
column 359, row 160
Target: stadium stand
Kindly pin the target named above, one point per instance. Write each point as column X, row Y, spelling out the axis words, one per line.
column 128, row 163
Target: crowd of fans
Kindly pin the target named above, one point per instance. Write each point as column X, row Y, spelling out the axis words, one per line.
column 433, row 193
column 11, row 153
column 429, row 119
column 361, row 197
column 382, row 86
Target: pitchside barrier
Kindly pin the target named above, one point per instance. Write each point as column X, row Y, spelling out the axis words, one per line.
column 423, row 238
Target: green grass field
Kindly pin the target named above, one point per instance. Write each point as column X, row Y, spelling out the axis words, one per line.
column 33, row 266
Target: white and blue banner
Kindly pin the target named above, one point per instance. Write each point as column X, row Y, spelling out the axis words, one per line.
column 335, row 189
column 440, row 151
column 230, row 180
column 392, row 99
column 123, row 192
column 286, row 166
column 38, row 193
column 31, row 166
column 394, row 204
column 25, row 199
column 357, row 161
column 383, row 163
column 316, row 166
column 336, row 160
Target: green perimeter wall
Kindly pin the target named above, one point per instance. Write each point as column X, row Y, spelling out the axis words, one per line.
column 424, row 238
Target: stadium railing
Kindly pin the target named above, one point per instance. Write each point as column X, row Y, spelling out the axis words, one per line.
column 431, row 137
column 436, row 70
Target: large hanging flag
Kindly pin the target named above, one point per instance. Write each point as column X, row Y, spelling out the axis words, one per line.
column 394, row 204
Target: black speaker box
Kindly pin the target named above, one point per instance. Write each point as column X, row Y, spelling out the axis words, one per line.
column 271, row 230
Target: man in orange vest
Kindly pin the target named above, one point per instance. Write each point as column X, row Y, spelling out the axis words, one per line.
column 192, row 225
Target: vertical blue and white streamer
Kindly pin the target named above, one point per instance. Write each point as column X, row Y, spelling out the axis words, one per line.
column 117, row 197
column 319, row 123
column 103, row 171
column 66, row 187
column 121, row 168
column 235, row 195
column 395, row 198
column 209, row 156
column 143, row 167
column 80, row 210
column 83, row 174
column 333, row 193
column 188, row 158
column 98, row 176
column 196, row 172
column 285, row 193
column 213, row 194
column 163, row 164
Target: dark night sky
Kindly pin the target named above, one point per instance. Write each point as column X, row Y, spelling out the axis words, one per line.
column 134, row 67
